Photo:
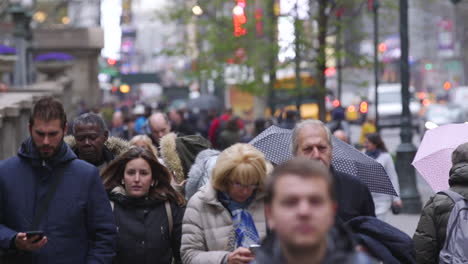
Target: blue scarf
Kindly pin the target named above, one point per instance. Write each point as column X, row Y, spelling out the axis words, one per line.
column 373, row 154
column 244, row 226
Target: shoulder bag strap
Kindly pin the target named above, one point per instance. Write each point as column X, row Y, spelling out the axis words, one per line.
column 454, row 196
column 167, row 204
column 43, row 205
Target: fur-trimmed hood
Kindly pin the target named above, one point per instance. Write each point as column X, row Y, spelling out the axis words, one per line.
column 179, row 153
column 115, row 145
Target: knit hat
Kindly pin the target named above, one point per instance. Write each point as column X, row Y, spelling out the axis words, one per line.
column 179, row 153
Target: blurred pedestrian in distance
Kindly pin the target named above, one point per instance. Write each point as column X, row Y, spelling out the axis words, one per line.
column 201, row 171
column 430, row 234
column 260, row 124
column 117, row 129
column 179, row 153
column 312, row 139
column 143, row 141
column 289, row 122
column 77, row 223
column 129, row 127
column 230, row 135
column 339, row 121
column 300, row 209
column 341, row 135
column 142, row 113
column 147, row 210
column 91, row 142
column 376, row 149
column 226, row 216
column 159, row 126
column 218, row 124
column 179, row 124
column 367, row 127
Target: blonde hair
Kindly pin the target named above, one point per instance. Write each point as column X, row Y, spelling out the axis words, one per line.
column 147, row 143
column 240, row 163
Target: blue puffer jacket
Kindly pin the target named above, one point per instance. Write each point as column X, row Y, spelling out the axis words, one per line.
column 79, row 223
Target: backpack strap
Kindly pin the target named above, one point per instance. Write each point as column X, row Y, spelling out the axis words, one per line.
column 167, row 204
column 454, row 196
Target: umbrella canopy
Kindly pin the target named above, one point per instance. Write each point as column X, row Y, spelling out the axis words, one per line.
column 433, row 159
column 275, row 143
column 204, row 102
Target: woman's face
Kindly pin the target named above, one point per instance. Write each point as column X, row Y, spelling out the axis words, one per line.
column 369, row 146
column 240, row 192
column 137, row 178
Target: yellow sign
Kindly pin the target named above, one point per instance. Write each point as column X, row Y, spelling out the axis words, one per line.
column 289, row 83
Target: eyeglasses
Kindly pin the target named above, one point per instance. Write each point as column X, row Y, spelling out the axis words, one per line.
column 250, row 187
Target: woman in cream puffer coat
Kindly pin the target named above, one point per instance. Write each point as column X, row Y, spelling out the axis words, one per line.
column 212, row 231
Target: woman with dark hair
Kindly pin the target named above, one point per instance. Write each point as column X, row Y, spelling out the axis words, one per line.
column 376, row 149
column 148, row 211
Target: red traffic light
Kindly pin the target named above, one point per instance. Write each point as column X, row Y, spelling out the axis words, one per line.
column 111, row 61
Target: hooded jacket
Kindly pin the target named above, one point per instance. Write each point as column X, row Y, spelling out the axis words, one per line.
column 340, row 250
column 208, row 227
column 179, row 153
column 430, row 234
column 143, row 230
column 79, row 224
column 200, row 173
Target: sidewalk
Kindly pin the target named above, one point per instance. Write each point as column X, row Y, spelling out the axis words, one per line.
column 408, row 222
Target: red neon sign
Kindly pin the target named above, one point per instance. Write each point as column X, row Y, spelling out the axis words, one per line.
column 239, row 18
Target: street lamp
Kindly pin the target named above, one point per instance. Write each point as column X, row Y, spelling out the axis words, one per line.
column 375, row 9
column 406, row 150
column 20, row 12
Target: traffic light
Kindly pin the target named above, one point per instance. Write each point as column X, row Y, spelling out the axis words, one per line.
column 428, row 66
column 382, row 47
column 447, row 86
column 363, row 107
column 111, row 61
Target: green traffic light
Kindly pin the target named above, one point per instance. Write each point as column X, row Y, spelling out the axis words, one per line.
column 428, row 66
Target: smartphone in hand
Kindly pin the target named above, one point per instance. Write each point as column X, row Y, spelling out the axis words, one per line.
column 30, row 234
column 254, row 248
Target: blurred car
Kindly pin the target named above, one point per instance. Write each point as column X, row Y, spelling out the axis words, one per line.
column 441, row 114
column 390, row 104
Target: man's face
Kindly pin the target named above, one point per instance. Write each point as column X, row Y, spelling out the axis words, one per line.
column 90, row 142
column 313, row 144
column 301, row 212
column 47, row 136
column 159, row 128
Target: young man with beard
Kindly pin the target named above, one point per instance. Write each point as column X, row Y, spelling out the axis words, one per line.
column 78, row 223
column 300, row 208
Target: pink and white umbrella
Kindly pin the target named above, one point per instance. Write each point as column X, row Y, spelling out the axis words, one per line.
column 433, row 159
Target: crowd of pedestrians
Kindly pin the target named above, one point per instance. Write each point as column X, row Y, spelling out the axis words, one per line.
column 154, row 188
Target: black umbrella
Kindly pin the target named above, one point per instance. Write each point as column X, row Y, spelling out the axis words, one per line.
column 204, row 102
column 275, row 143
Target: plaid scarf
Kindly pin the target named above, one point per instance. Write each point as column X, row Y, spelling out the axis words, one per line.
column 244, row 226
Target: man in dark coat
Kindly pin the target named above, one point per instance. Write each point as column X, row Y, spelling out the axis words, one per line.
column 312, row 139
column 78, row 225
column 91, row 141
column 300, row 207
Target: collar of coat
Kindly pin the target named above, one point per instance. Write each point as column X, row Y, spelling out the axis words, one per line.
column 115, row 145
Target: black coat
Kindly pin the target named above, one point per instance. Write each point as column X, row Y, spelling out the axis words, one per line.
column 340, row 250
column 382, row 240
column 143, row 231
column 353, row 197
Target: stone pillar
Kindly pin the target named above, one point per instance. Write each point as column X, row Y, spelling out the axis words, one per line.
column 85, row 45
column 8, row 132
